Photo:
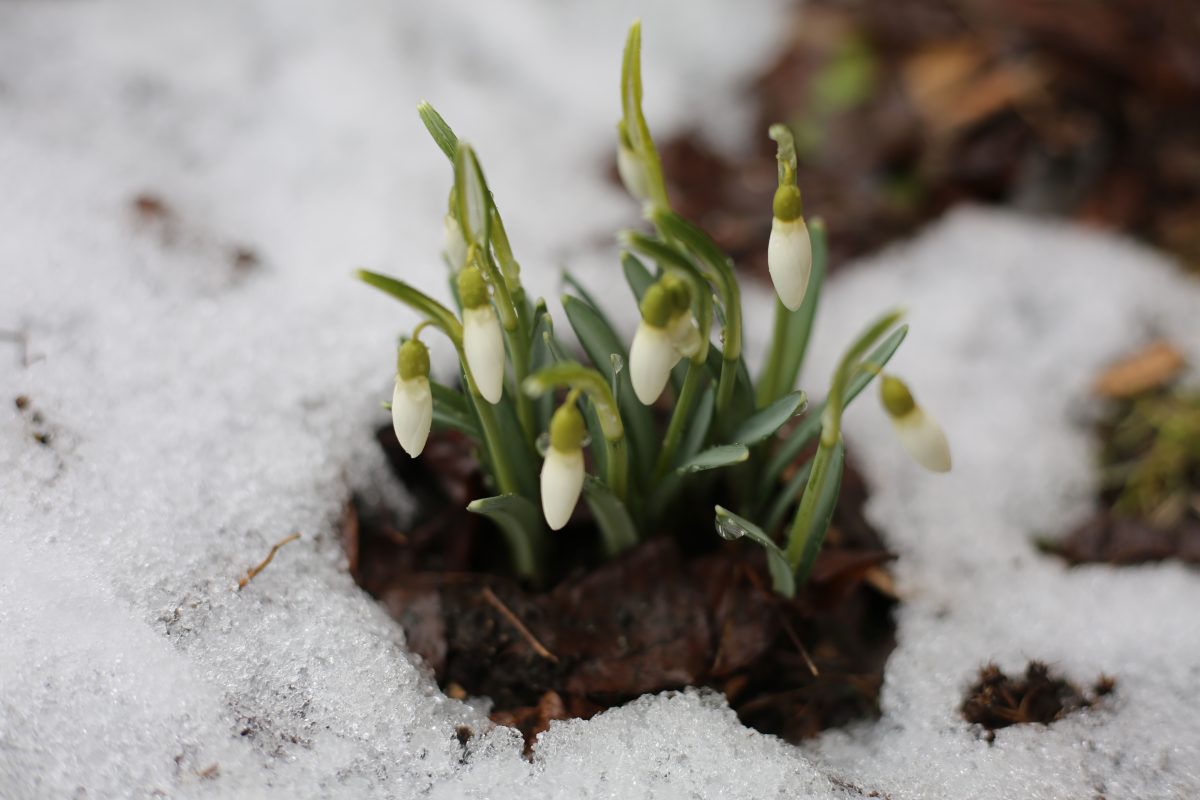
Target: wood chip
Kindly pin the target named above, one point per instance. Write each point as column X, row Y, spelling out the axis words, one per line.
column 1149, row 368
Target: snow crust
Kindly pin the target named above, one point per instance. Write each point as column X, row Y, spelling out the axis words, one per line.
column 197, row 411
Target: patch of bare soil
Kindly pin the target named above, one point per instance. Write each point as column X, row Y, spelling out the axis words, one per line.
column 997, row 700
column 685, row 608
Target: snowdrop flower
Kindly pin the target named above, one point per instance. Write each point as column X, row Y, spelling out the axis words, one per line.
column 919, row 433
column 454, row 246
column 412, row 400
column 483, row 343
column 789, row 250
column 629, row 166
column 653, row 353
column 562, row 470
column 683, row 329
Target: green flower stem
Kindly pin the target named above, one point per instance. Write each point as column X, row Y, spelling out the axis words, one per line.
column 506, row 479
column 802, row 546
column 680, row 417
column 618, row 467
column 768, row 382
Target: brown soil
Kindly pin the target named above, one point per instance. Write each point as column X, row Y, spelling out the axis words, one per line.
column 997, row 701
column 688, row 609
column 1076, row 109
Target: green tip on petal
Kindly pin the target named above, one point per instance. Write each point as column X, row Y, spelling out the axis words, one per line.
column 412, row 360
column 472, row 288
column 657, row 305
column 567, row 428
column 896, row 398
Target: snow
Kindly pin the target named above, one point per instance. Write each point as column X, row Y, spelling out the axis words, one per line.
column 198, row 412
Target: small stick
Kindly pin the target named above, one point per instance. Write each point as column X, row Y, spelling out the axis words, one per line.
column 263, row 564
column 498, row 604
column 787, row 626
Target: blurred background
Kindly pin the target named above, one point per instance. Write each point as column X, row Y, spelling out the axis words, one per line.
column 1072, row 109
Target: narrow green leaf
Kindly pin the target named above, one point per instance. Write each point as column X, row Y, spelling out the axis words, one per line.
column 636, row 275
column 571, row 281
column 517, row 448
column 521, row 523
column 599, row 341
column 731, row 526
column 450, row 410
column 826, row 502
column 616, row 527
column 788, row 496
column 766, row 422
column 472, row 196
column 722, row 455
column 417, row 300
column 698, row 427
column 442, row 135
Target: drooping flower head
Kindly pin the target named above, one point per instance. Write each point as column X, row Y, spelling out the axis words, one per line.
column 483, row 341
column 412, row 400
column 789, row 250
column 562, row 469
column 919, row 433
column 653, row 354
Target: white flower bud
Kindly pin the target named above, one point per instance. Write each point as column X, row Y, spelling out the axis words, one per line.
column 483, row 345
column 919, row 433
column 454, row 246
column 412, row 413
column 562, row 471
column 923, row 439
column 789, row 259
column 651, row 357
column 562, row 481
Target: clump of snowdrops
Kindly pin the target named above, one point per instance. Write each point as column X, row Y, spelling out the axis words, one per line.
column 532, row 409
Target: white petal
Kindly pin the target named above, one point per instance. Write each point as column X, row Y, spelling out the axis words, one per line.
column 651, row 357
column 631, row 172
column 923, row 439
column 483, row 344
column 562, row 481
column 685, row 334
column 789, row 259
column 454, row 246
column 412, row 413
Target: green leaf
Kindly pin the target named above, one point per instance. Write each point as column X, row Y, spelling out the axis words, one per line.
column 731, row 526
column 472, row 196
column 517, row 448
column 521, row 523
column 723, row 455
column 450, row 410
column 616, row 526
column 417, row 300
column 786, row 497
column 541, row 354
column 826, row 502
column 636, row 275
column 697, row 429
column 764, row 423
column 442, row 135
column 599, row 341
column 586, row 296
